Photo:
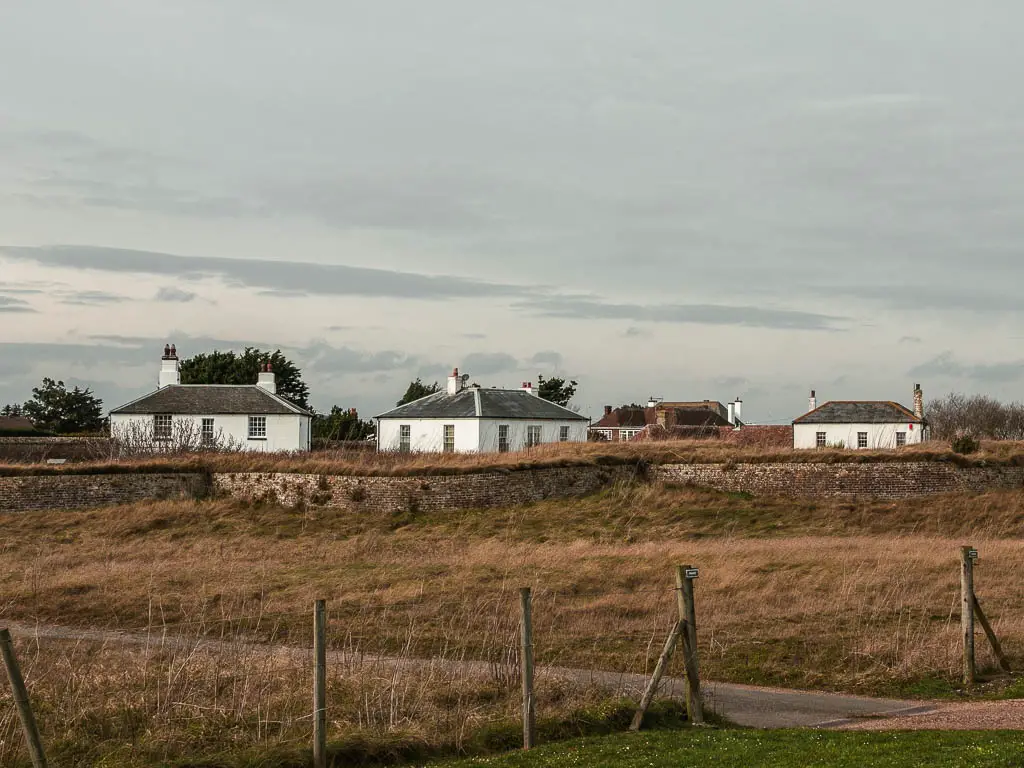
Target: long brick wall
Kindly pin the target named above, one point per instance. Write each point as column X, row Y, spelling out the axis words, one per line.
column 879, row 480
column 428, row 493
column 22, row 494
column 500, row 489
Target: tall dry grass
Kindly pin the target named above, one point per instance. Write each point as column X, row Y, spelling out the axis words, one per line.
column 553, row 455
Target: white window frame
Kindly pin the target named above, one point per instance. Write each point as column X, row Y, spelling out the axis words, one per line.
column 862, row 437
column 404, row 438
column 257, row 428
column 628, row 434
column 448, row 438
column 563, row 433
column 503, row 445
column 207, row 435
column 901, row 439
column 821, row 439
column 163, row 427
column 534, row 435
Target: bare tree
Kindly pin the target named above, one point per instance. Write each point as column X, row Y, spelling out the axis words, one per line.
column 978, row 416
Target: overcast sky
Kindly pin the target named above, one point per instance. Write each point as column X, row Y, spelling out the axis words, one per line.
column 690, row 199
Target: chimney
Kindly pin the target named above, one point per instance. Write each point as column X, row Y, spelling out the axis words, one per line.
column 454, row 383
column 732, row 413
column 812, row 402
column 528, row 387
column 170, row 370
column 918, row 401
column 267, row 380
column 737, row 410
column 607, row 410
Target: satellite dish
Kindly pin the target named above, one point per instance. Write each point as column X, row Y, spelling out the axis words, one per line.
column 465, row 378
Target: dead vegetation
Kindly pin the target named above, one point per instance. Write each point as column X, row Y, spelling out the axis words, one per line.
column 859, row 596
column 360, row 463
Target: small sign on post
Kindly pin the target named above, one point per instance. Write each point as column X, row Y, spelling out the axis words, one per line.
column 973, row 554
column 691, row 573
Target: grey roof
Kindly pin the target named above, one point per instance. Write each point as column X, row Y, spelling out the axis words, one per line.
column 477, row 402
column 211, row 399
column 859, row 412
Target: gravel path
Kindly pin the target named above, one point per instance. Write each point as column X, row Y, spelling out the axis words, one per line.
column 744, row 705
column 969, row 716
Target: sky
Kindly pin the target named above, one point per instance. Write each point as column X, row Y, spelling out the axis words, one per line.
column 685, row 199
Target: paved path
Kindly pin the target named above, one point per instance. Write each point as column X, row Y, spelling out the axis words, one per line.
column 741, row 704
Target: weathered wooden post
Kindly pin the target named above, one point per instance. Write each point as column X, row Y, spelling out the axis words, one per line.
column 28, row 720
column 526, row 656
column 320, row 684
column 967, row 557
column 688, row 614
column 659, row 671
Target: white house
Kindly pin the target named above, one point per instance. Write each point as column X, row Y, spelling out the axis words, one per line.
column 251, row 417
column 472, row 419
column 860, row 424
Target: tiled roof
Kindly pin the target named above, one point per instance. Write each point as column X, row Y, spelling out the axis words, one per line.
column 477, row 402
column 211, row 399
column 859, row 412
column 16, row 424
column 626, row 416
column 698, row 417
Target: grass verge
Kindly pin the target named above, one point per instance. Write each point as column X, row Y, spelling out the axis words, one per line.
column 777, row 749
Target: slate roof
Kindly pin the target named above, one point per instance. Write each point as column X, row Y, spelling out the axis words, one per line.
column 699, row 417
column 626, row 416
column 477, row 402
column 16, row 424
column 211, row 399
column 859, row 412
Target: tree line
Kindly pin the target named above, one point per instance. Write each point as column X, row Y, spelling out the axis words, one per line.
column 57, row 409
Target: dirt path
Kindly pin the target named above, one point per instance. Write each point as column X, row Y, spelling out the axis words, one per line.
column 744, row 705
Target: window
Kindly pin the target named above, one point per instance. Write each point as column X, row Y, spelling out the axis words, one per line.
column 503, row 438
column 162, row 426
column 819, row 440
column 449, row 438
column 862, row 439
column 628, row 434
column 257, row 427
column 563, row 434
column 532, row 436
column 901, row 439
column 207, row 431
column 405, row 438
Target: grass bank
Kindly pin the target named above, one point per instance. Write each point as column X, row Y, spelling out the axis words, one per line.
column 774, row 749
column 557, row 455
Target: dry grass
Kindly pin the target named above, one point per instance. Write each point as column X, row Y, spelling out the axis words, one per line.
column 859, row 596
column 555, row 455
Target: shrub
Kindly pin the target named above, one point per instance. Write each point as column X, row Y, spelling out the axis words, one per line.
column 965, row 444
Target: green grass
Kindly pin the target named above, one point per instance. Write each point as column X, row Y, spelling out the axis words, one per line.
column 778, row 749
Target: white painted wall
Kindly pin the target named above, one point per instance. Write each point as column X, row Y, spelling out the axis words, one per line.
column 879, row 435
column 427, row 435
column 471, row 435
column 285, row 432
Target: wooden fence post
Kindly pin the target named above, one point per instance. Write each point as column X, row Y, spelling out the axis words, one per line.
column 659, row 671
column 967, row 611
column 997, row 648
column 526, row 657
column 28, row 721
column 688, row 614
column 320, row 684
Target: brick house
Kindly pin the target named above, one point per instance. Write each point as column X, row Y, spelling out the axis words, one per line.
column 660, row 419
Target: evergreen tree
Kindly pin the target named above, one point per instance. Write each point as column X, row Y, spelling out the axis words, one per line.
column 232, row 368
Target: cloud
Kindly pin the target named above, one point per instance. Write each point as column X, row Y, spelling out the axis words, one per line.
column 323, row 358
column 174, row 294
column 910, row 340
column 730, row 382
column 10, row 304
column 947, row 366
column 477, row 336
column 483, row 363
column 89, row 298
column 897, row 297
column 547, row 358
column 302, row 277
column 703, row 314
column 633, row 332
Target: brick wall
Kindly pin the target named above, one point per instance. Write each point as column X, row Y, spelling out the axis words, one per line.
column 21, row 494
column 428, row 493
column 37, row 449
column 499, row 489
column 880, row 480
